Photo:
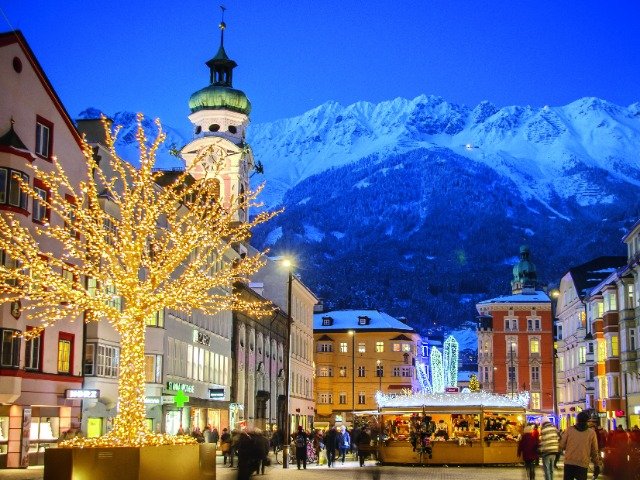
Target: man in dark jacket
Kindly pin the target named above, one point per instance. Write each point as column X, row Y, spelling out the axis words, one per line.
column 262, row 450
column 301, row 440
column 331, row 444
column 247, row 455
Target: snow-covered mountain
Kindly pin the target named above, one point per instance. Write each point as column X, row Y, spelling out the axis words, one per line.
column 126, row 143
column 546, row 151
column 418, row 207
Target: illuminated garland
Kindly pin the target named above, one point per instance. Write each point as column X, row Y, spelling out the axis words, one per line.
column 479, row 399
column 158, row 252
column 423, row 377
column 437, row 372
column 450, row 354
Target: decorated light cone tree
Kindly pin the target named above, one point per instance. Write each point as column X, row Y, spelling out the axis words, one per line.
column 157, row 252
column 474, row 383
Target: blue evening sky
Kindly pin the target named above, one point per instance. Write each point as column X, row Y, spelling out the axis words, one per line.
column 293, row 55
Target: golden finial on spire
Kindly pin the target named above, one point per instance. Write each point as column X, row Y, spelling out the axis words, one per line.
column 222, row 25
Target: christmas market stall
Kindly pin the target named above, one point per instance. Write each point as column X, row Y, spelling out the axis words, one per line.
column 450, row 428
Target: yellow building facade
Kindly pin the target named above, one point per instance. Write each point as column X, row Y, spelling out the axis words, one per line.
column 357, row 353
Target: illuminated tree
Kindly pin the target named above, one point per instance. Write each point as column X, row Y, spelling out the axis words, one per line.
column 159, row 251
column 450, row 353
column 474, row 384
column 437, row 371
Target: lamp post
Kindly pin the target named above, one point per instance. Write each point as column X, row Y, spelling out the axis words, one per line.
column 287, row 421
column 353, row 377
column 554, row 294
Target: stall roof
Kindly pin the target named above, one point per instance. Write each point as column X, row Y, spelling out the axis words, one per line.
column 465, row 399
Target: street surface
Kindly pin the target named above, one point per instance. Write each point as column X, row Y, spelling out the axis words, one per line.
column 350, row 470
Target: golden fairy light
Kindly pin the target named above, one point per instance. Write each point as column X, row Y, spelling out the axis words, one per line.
column 163, row 249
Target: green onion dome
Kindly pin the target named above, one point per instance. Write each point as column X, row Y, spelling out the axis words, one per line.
column 217, row 97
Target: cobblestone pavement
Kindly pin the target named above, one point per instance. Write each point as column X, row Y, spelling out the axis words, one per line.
column 349, row 470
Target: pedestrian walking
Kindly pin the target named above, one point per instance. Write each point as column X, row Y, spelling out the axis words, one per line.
column 617, row 465
column 331, row 444
column 247, row 455
column 549, row 447
column 262, row 450
column 364, row 445
column 276, row 441
column 345, row 442
column 225, row 446
column 528, row 450
column 580, row 446
column 215, row 437
column 301, row 447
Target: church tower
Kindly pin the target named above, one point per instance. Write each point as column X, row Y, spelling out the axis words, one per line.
column 525, row 277
column 220, row 116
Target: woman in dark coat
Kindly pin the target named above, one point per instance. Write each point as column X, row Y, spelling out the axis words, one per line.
column 364, row 445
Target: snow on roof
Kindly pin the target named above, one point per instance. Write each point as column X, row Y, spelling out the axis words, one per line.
column 469, row 399
column 536, row 297
column 349, row 320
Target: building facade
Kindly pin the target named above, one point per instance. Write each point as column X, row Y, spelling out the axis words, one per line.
column 515, row 340
column 358, row 353
column 575, row 340
column 609, row 307
column 38, row 377
column 630, row 328
column 276, row 280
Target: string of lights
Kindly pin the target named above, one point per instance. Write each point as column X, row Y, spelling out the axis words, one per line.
column 159, row 251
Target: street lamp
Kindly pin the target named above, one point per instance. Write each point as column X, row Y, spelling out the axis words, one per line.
column 353, row 377
column 553, row 295
column 287, row 421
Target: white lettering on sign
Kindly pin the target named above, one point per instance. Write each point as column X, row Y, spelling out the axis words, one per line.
column 185, row 387
column 82, row 394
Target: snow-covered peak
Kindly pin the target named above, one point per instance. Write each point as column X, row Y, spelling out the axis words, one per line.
column 127, row 145
column 547, row 151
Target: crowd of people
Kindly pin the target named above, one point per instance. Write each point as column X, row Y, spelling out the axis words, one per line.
column 582, row 444
column 248, row 449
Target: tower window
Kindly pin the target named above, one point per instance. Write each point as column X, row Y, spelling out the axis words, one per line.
column 198, row 129
column 214, row 127
column 233, row 129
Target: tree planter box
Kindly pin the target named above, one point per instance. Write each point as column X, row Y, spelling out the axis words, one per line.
column 167, row 462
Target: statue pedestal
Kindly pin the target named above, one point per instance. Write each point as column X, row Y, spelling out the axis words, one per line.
column 165, row 462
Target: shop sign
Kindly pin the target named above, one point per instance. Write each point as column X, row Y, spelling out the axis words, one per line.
column 452, row 389
column 82, row 394
column 636, row 410
column 165, row 399
column 216, row 394
column 619, row 413
column 153, row 400
column 201, row 338
column 185, row 387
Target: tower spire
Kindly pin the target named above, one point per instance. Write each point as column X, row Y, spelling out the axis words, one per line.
column 222, row 26
column 221, row 66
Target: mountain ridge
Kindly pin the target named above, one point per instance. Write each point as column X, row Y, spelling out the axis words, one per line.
column 418, row 206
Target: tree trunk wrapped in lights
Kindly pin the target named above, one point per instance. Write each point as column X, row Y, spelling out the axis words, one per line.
column 159, row 251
